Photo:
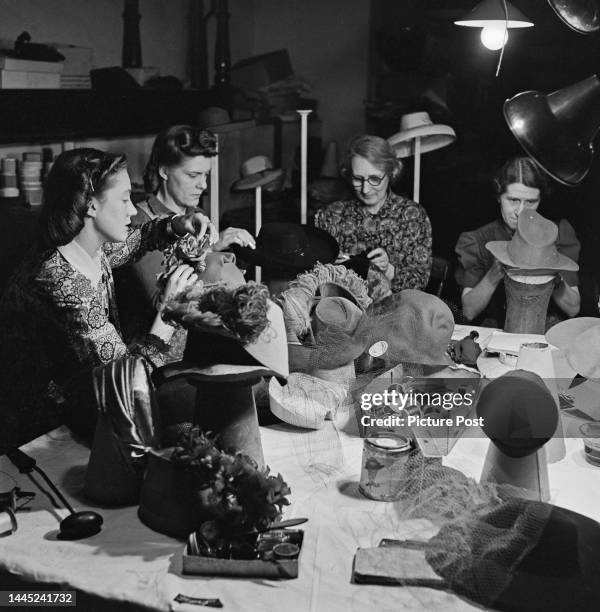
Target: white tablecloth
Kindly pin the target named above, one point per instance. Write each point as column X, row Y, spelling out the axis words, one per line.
column 128, row 561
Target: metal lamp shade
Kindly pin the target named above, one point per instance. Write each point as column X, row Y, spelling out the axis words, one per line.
column 557, row 129
column 490, row 12
column 583, row 16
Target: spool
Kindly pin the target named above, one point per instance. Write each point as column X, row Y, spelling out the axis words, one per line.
column 527, row 304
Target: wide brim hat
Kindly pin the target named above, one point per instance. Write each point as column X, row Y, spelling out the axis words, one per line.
column 419, row 125
column 255, row 172
column 532, row 247
column 579, row 340
column 291, row 247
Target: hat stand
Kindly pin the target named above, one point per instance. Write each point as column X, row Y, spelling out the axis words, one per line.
column 257, row 224
column 303, row 163
column 529, row 475
column 526, row 305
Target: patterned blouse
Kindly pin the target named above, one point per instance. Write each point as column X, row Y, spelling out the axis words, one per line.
column 56, row 325
column 401, row 227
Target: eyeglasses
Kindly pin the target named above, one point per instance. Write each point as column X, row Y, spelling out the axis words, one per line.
column 373, row 180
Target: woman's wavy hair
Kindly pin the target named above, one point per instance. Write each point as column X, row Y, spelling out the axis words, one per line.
column 172, row 146
column 375, row 150
column 521, row 170
column 75, row 177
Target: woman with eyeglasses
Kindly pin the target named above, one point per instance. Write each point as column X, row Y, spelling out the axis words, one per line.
column 58, row 317
column 518, row 185
column 392, row 231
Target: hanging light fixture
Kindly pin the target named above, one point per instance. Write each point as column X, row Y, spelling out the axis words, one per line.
column 583, row 16
column 495, row 18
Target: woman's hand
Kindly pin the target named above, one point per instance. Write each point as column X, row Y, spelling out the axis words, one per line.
column 178, row 280
column 234, row 235
column 496, row 273
column 380, row 258
column 195, row 223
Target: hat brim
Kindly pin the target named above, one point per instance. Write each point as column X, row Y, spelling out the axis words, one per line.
column 258, row 179
column 322, row 247
column 499, row 249
column 432, row 137
column 562, row 334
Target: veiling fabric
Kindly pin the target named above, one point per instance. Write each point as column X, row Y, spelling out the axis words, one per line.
column 401, row 227
column 55, row 327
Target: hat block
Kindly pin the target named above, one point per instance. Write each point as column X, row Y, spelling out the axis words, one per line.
column 536, row 357
column 526, row 306
column 528, row 475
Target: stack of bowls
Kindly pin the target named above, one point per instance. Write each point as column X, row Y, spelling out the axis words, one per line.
column 30, row 174
column 8, row 178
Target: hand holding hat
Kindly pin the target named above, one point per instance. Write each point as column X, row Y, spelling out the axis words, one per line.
column 532, row 247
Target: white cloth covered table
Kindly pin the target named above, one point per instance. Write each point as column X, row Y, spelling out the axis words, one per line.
column 129, row 562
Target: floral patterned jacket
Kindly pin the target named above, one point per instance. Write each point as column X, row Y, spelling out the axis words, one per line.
column 401, row 227
column 56, row 326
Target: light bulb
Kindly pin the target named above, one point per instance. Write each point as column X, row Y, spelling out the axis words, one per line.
column 493, row 37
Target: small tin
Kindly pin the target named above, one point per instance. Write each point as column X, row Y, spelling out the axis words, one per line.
column 384, row 466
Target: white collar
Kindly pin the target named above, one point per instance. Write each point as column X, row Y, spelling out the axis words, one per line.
column 78, row 257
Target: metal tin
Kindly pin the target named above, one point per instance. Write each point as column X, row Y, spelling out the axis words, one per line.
column 384, row 466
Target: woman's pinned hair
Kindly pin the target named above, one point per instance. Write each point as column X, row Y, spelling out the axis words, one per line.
column 521, row 170
column 172, row 146
column 376, row 151
column 75, row 177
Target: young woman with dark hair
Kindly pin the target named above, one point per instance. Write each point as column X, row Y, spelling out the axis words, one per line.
column 58, row 319
column 394, row 232
column 518, row 185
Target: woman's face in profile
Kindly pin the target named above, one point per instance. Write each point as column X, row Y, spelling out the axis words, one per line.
column 113, row 209
column 370, row 184
column 516, row 198
column 185, row 183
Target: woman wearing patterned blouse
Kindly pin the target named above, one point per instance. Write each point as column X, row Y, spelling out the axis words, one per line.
column 392, row 231
column 57, row 317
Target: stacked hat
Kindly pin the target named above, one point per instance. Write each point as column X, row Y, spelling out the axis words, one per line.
column 8, row 178
column 30, row 174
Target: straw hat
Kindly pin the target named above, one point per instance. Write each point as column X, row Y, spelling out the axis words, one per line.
column 255, row 172
column 532, row 247
column 579, row 340
column 419, row 125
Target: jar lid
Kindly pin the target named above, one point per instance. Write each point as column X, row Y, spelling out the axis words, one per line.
column 391, row 443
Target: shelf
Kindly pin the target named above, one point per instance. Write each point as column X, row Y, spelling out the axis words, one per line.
column 43, row 115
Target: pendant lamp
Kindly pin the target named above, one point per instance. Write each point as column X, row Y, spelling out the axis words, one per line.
column 583, row 16
column 557, row 130
column 495, row 18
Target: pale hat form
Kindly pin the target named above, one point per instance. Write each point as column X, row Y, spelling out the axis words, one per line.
column 579, row 340
column 255, row 172
column 329, row 167
column 419, row 125
column 532, row 247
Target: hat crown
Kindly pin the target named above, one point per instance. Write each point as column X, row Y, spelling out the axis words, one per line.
column 213, row 115
column 414, row 120
column 254, row 165
column 537, row 230
column 337, row 311
column 283, row 238
column 534, row 242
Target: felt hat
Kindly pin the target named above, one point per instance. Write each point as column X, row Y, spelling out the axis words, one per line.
column 413, row 327
column 255, row 172
column 518, row 412
column 290, row 246
column 340, row 333
column 419, row 125
column 213, row 117
column 579, row 340
column 532, row 247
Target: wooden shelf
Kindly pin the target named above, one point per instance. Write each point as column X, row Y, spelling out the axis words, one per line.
column 43, row 115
